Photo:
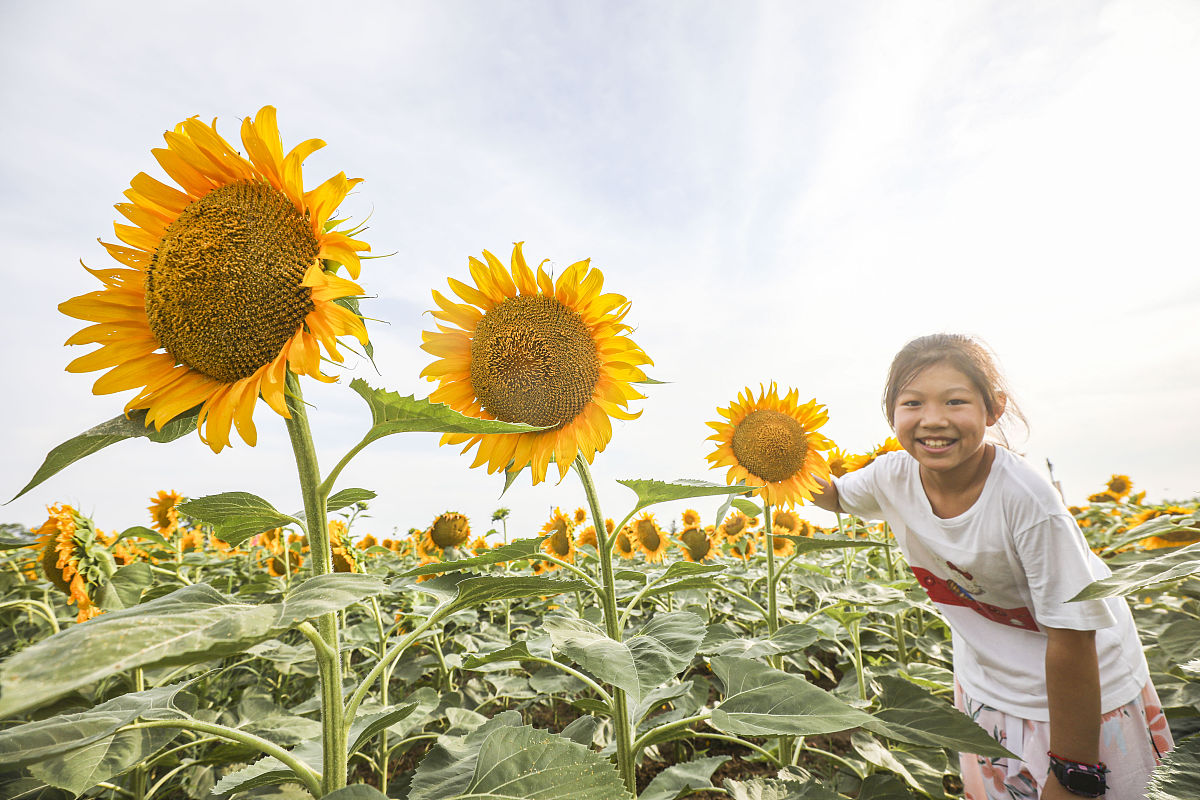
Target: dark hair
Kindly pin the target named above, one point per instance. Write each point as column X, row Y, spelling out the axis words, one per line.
column 969, row 356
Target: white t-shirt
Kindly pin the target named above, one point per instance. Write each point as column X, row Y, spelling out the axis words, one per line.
column 1000, row 572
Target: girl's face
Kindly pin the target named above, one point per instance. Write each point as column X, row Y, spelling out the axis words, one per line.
column 941, row 418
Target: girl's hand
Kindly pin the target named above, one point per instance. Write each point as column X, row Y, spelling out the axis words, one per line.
column 827, row 498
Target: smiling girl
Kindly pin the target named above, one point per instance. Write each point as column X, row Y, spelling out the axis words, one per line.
column 1064, row 685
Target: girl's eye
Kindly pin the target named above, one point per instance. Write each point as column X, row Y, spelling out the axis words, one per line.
column 911, row 403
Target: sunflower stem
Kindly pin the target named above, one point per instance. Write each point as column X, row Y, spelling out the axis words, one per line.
column 333, row 729
column 626, row 756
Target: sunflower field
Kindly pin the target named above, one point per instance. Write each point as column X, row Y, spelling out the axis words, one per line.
column 230, row 649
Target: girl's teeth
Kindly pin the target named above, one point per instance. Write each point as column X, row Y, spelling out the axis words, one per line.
column 936, row 442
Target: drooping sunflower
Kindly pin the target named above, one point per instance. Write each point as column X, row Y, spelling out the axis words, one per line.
column 529, row 349
column 344, row 557
column 1120, row 485
column 164, row 511
column 649, row 538
column 624, row 544
column 772, row 443
column 74, row 558
column 450, row 529
column 691, row 518
column 560, row 541
column 697, row 545
column 226, row 282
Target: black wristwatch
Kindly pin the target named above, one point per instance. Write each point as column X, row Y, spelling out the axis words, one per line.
column 1085, row 780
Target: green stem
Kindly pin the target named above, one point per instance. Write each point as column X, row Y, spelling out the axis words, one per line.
column 669, row 728
column 597, row 688
column 138, row 777
column 36, row 605
column 772, row 601
column 380, row 666
column 856, row 638
column 333, row 729
column 725, row 738
column 626, row 755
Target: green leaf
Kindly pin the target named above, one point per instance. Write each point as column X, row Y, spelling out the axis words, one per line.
column 788, row 639
column 912, row 714
column 650, row 492
column 520, row 548
column 359, row 791
column 16, row 540
column 125, row 587
column 528, row 764
column 1138, row 577
column 41, row 739
column 368, row 725
column 517, row 651
column 115, row 430
column 474, row 591
column 668, row 784
column 391, row 413
column 348, row 497
column 747, row 507
column 188, row 626
column 762, row 701
column 237, row 516
column 1178, row 776
column 270, row 770
column 773, row 789
column 644, row 661
column 142, row 532
column 450, row 764
column 875, row 752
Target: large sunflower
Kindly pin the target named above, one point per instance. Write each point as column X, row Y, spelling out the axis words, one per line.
column 772, row 443
column 227, row 281
column 530, row 349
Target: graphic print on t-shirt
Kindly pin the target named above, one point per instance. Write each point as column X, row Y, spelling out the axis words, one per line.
column 961, row 591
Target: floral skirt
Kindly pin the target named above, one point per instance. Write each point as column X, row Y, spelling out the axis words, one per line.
column 1132, row 740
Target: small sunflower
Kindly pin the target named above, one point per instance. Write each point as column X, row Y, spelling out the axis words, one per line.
column 783, row 546
column 559, row 540
column 1176, row 538
column 772, row 443
column 480, row 545
column 649, row 538
column 192, row 539
column 734, row 526
column 226, row 282
column 841, row 462
column 785, row 521
column 624, row 544
column 367, row 542
column 889, row 445
column 580, row 516
column 1104, row 497
column 528, row 349
column 450, row 529
column 691, row 518
column 164, row 511
column 588, row 537
column 74, row 558
column 744, row 547
column 1120, row 485
column 697, row 545
column 344, row 557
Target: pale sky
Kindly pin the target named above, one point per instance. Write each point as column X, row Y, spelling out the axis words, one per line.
column 786, row 191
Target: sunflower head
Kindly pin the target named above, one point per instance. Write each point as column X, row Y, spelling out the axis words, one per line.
column 344, row 557
column 480, row 545
column 772, row 442
column 192, row 539
column 783, row 546
column 744, row 547
column 367, row 542
column 226, row 281
column 785, row 521
column 1104, row 497
column 649, row 538
column 559, row 541
column 580, row 516
column 588, row 537
column 696, row 545
column 524, row 348
column 1120, row 485
column 841, row 462
column 74, row 558
column 164, row 511
column 691, row 518
column 734, row 526
column 889, row 445
column 624, row 544
column 450, row 529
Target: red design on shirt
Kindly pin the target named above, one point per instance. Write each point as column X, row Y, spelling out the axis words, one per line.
column 950, row 593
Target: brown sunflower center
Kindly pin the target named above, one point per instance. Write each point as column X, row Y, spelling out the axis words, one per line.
column 51, row 570
column 223, row 290
column 533, row 360
column 449, row 531
column 647, row 533
column 770, row 445
column 560, row 543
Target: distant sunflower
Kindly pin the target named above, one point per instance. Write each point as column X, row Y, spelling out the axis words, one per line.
column 734, row 526
column 696, row 545
column 649, row 538
column 1120, row 485
column 1104, row 497
column 785, row 521
column 344, row 557
column 691, row 518
column 841, row 462
column 559, row 542
column 624, row 544
column 367, row 542
column 74, row 558
column 164, row 511
column 226, row 282
column 528, row 349
column 1176, row 538
column 580, row 516
column 783, row 546
column 192, row 539
column 588, row 537
column 450, row 529
column 480, row 545
column 744, row 547
column 889, row 445
column 772, row 443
